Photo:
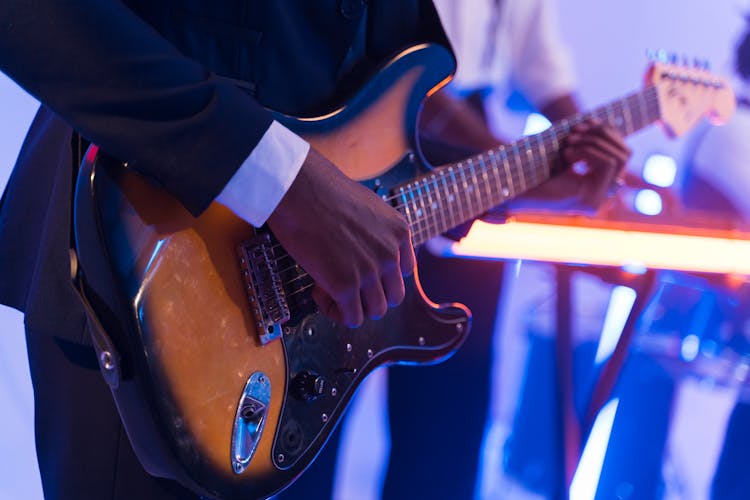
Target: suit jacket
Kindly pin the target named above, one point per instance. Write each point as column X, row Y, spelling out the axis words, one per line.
column 178, row 88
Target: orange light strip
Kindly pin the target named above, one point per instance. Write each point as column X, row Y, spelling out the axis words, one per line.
column 601, row 246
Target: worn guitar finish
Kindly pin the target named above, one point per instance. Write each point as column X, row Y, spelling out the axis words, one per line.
column 184, row 326
column 230, row 380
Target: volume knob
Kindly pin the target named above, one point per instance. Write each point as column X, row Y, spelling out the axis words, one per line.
column 308, row 385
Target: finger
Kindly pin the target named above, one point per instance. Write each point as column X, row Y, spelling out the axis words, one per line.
column 407, row 260
column 602, row 143
column 594, row 157
column 373, row 300
column 606, row 132
column 393, row 286
column 600, row 180
column 350, row 308
column 326, row 304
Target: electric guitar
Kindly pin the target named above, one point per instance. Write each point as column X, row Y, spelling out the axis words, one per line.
column 225, row 375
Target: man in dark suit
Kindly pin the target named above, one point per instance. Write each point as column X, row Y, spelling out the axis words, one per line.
column 180, row 90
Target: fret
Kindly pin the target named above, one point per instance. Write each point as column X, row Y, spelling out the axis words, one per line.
column 620, row 117
column 438, row 204
column 417, row 212
column 635, row 112
column 656, row 113
column 508, row 176
column 487, row 183
column 427, row 208
column 527, row 164
column 407, row 212
column 450, row 199
column 501, row 190
column 475, row 188
column 611, row 119
column 537, row 161
column 555, row 140
column 649, row 109
column 546, row 174
column 630, row 105
column 456, row 197
column 432, row 206
column 518, row 166
column 643, row 110
column 422, row 210
column 466, row 190
column 628, row 119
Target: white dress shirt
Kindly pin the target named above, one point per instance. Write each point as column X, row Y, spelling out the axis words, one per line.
column 506, row 46
column 265, row 176
column 523, row 51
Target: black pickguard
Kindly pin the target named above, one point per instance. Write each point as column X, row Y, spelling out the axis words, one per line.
column 417, row 331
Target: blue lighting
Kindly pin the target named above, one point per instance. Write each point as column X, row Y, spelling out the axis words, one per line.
column 536, row 123
column 660, row 170
column 634, row 268
column 690, row 347
column 648, row 202
column 586, row 477
column 620, row 303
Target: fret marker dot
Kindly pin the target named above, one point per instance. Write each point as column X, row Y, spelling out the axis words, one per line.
column 434, row 205
column 506, row 192
column 451, row 198
column 419, row 212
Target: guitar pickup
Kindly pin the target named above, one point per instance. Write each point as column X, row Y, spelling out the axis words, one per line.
column 264, row 287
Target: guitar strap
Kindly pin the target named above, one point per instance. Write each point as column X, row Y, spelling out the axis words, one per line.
column 107, row 354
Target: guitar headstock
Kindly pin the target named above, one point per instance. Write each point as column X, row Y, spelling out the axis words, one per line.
column 687, row 94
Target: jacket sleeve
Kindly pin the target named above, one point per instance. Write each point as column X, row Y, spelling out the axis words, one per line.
column 121, row 85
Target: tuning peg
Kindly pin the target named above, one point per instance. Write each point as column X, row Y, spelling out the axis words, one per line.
column 661, row 55
column 673, row 58
column 701, row 64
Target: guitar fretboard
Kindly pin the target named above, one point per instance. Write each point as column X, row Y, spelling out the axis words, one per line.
column 452, row 194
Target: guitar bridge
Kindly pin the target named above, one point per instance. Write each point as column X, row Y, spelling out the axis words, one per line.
column 263, row 285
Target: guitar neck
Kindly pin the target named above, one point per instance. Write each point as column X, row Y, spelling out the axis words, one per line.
column 455, row 193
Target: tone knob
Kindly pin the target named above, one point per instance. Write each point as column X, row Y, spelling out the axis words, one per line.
column 308, row 385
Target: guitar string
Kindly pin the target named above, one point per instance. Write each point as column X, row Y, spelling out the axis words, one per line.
column 429, row 184
column 643, row 100
column 434, row 178
column 543, row 139
column 489, row 157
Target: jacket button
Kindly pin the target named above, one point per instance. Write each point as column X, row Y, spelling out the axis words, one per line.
column 352, row 9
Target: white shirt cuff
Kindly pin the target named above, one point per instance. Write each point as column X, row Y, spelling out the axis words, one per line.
column 265, row 176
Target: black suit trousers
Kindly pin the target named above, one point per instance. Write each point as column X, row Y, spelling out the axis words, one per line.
column 82, row 448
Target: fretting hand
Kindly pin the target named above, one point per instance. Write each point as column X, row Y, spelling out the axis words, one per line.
column 604, row 153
